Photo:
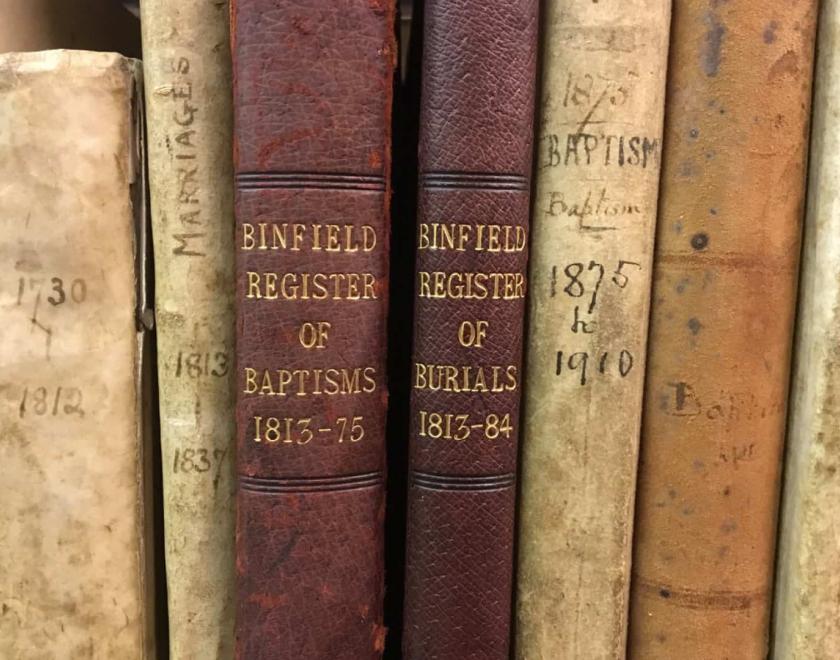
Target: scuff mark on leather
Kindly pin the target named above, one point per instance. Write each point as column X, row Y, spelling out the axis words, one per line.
column 711, row 55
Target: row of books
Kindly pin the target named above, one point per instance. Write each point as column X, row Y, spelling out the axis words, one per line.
column 212, row 363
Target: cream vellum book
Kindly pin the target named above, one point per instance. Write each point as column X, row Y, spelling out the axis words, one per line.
column 187, row 69
column 75, row 511
column 600, row 143
column 807, row 609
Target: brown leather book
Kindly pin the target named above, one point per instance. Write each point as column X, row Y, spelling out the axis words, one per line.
column 725, row 272
column 312, row 106
column 474, row 188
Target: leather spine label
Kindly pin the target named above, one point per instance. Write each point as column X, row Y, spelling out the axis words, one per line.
column 598, row 160
column 186, row 65
column 723, row 305
column 312, row 106
column 470, row 288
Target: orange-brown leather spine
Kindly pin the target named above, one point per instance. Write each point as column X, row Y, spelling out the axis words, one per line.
column 312, row 105
column 723, row 306
column 476, row 114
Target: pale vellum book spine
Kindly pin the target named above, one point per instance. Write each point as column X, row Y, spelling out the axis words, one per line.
column 807, row 608
column 594, row 216
column 75, row 540
column 188, row 73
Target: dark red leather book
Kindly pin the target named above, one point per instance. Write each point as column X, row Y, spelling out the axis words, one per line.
column 312, row 103
column 477, row 105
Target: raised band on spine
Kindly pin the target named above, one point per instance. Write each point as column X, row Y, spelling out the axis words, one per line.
column 316, row 180
column 309, row 484
column 462, row 482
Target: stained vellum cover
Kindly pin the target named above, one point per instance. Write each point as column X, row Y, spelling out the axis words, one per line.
column 592, row 243
column 74, row 557
column 808, row 569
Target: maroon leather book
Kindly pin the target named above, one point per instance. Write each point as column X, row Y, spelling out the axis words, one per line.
column 477, row 105
column 312, row 104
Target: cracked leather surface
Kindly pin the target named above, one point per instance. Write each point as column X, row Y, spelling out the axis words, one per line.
column 312, row 104
column 475, row 160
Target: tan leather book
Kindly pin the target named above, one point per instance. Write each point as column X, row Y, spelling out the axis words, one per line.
column 593, row 222
column 187, row 69
column 27, row 25
column 725, row 273
column 807, row 610
column 75, row 554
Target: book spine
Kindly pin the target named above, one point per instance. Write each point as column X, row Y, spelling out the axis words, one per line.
column 725, row 273
column 808, row 574
column 600, row 139
column 473, row 203
column 313, row 84
column 189, row 110
column 75, row 551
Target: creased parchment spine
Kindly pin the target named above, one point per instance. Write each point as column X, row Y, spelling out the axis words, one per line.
column 188, row 69
column 592, row 244
column 808, row 565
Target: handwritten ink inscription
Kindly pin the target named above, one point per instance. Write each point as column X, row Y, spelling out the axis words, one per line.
column 582, row 281
column 183, row 143
column 192, row 364
column 585, row 364
column 189, row 460
column 682, row 400
column 591, row 100
column 51, row 401
column 592, row 209
column 57, row 292
column 603, row 149
column 726, row 407
column 590, row 92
